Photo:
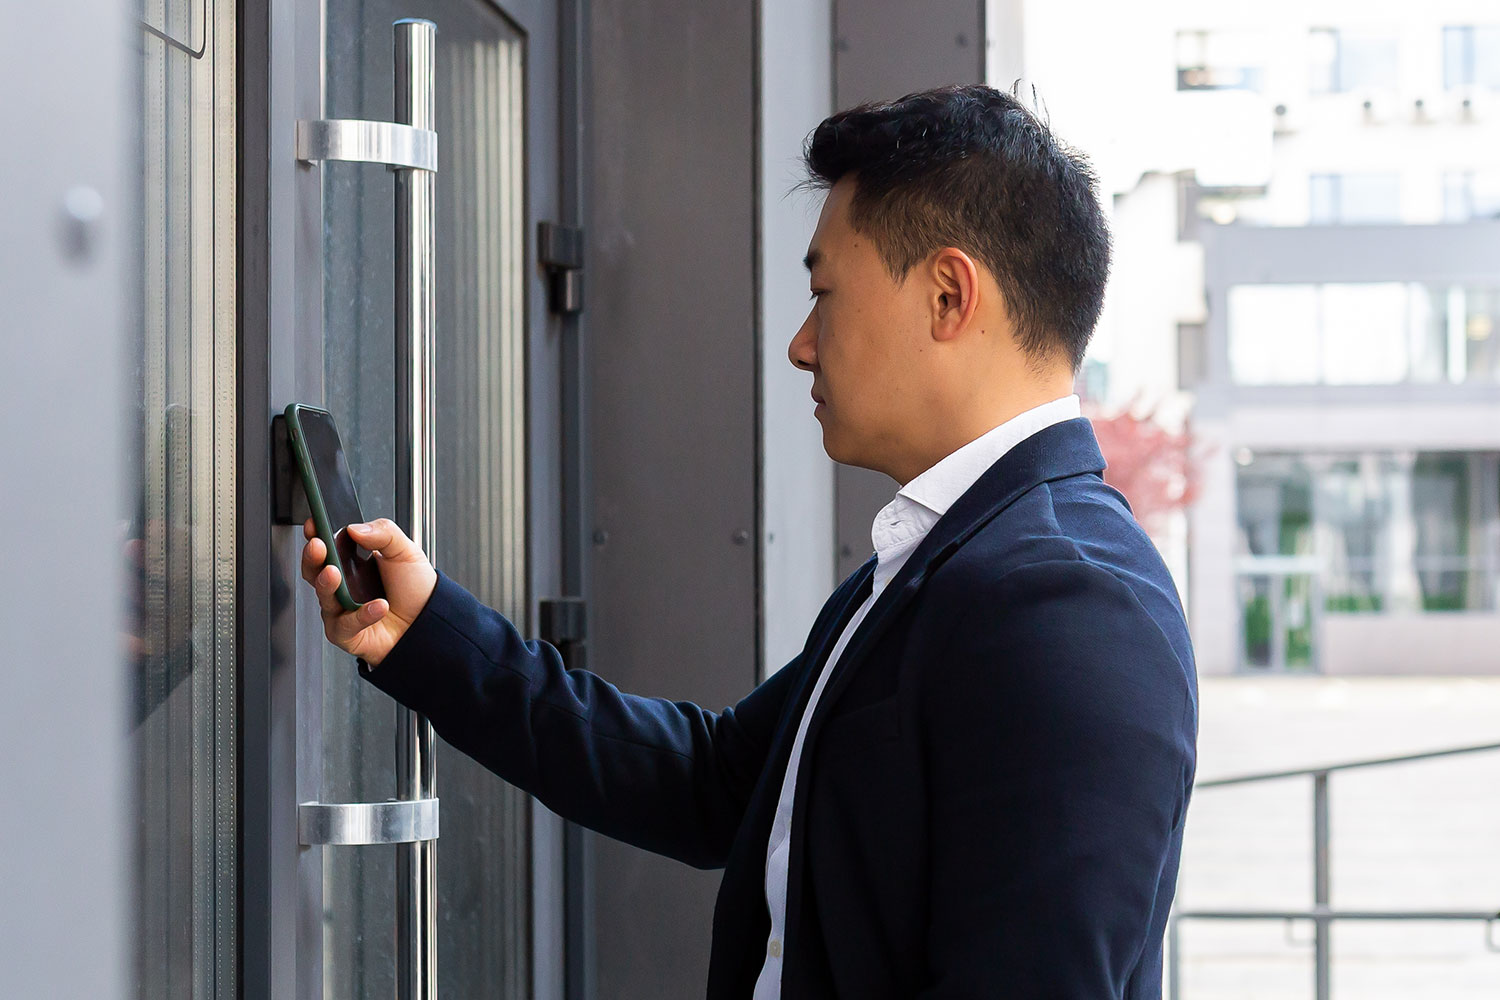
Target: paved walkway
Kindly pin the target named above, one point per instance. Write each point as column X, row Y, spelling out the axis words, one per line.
column 1420, row 835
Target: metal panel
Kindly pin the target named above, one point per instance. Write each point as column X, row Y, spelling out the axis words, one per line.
column 66, row 313
column 280, row 312
column 941, row 42
column 672, row 429
column 858, row 494
column 886, row 48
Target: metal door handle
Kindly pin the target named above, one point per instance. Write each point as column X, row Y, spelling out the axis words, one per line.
column 355, row 140
column 409, row 147
column 393, row 822
column 416, row 323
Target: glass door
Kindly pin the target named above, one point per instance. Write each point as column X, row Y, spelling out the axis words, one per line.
column 474, row 883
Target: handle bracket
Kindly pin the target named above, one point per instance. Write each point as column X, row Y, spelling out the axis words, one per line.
column 400, row 147
column 404, row 821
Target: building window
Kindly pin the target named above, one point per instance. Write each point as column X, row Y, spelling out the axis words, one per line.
column 1471, row 56
column 1354, row 198
column 1216, row 60
column 1386, row 333
column 1470, row 195
column 1374, row 532
column 1344, row 61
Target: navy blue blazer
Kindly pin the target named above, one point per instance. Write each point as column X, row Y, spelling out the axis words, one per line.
column 992, row 787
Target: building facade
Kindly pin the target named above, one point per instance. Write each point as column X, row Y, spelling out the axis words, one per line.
column 1307, row 223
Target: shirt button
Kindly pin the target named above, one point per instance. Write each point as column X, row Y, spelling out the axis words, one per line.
column 774, row 948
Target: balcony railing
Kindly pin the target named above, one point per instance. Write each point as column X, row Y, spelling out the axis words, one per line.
column 1322, row 915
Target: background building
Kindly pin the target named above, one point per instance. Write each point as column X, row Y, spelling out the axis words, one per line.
column 1307, row 253
column 1308, row 233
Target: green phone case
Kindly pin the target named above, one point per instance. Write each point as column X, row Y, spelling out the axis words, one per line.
column 315, row 499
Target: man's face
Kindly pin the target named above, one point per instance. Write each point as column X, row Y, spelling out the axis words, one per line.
column 863, row 341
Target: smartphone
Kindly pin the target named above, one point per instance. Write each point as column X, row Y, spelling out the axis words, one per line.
column 334, row 504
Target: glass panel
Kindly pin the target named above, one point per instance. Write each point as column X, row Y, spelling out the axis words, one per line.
column 1366, row 60
column 1322, row 199
column 483, row 855
column 1407, row 532
column 1457, row 56
column 1354, row 198
column 359, row 762
column 484, row 861
column 1275, row 507
column 1485, row 63
column 1255, row 616
column 1342, row 60
column 1471, row 56
column 1219, row 60
column 179, row 538
column 1476, row 311
column 1271, row 328
column 1363, row 334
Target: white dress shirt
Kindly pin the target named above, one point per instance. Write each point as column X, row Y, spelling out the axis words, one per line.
column 898, row 529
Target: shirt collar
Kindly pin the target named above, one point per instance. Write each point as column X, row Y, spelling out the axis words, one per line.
column 940, row 486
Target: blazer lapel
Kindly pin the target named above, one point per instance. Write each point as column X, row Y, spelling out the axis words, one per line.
column 1056, row 452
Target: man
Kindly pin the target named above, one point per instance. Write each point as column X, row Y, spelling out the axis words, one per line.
column 972, row 781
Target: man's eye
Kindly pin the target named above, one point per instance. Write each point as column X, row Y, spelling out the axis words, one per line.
column 816, row 293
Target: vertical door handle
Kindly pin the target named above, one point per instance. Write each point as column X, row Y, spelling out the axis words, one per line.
column 416, row 320
column 409, row 147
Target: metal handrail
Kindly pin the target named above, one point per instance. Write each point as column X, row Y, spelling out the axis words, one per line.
column 1321, row 914
column 1246, row 779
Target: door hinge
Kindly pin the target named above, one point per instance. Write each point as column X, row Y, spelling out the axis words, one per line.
column 560, row 250
column 564, row 623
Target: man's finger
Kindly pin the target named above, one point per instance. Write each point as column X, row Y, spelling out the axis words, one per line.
column 314, row 555
column 343, row 629
column 327, row 585
column 384, row 536
column 309, row 529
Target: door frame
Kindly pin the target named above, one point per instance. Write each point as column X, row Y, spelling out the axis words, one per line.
column 279, row 632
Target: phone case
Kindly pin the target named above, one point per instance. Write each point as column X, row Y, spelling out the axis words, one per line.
column 315, row 500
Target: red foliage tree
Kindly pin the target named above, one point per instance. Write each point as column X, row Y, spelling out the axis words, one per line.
column 1155, row 468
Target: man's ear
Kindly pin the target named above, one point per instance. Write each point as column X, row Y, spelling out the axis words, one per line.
column 954, row 292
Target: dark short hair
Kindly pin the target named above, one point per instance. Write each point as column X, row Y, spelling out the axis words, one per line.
column 972, row 167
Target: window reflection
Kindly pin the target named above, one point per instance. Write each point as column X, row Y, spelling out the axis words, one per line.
column 179, row 541
column 1391, row 532
column 1374, row 333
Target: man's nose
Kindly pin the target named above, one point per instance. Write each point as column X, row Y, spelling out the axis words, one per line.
column 803, row 350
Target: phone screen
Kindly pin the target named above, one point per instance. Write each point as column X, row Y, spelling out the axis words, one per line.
column 331, row 468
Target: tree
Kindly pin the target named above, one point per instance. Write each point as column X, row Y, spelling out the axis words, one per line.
column 1155, row 468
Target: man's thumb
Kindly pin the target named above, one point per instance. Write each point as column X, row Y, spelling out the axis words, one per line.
column 384, row 536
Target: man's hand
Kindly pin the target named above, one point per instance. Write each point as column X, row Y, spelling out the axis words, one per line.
column 372, row 631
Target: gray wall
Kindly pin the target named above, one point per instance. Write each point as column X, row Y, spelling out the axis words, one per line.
column 882, row 50
column 673, row 365
column 64, row 308
column 714, row 543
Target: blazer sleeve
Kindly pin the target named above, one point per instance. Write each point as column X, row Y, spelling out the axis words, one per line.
column 666, row 776
column 1060, row 728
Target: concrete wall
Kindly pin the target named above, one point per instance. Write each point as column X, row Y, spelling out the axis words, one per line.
column 1439, row 643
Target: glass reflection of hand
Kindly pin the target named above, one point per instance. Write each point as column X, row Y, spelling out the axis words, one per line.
column 134, row 635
